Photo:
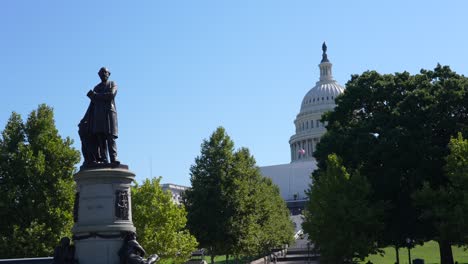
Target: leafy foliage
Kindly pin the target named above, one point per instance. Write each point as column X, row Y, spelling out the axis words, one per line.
column 36, row 183
column 161, row 223
column 447, row 206
column 276, row 228
column 339, row 218
column 260, row 221
column 206, row 202
column 231, row 208
column 394, row 129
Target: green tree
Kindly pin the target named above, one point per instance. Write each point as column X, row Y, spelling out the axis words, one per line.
column 447, row 206
column 339, row 218
column 160, row 223
column 261, row 219
column 36, row 183
column 206, row 202
column 232, row 209
column 394, row 129
column 276, row 228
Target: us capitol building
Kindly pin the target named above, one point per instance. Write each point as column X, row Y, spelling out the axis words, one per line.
column 293, row 179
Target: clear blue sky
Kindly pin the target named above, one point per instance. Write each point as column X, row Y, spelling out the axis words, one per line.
column 184, row 68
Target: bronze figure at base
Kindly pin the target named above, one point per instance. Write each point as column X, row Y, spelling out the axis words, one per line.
column 132, row 252
column 64, row 253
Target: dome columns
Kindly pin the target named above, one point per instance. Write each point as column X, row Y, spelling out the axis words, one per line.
column 303, row 149
column 325, row 71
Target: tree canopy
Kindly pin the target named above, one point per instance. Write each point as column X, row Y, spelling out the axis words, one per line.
column 232, row 209
column 395, row 129
column 340, row 220
column 260, row 219
column 36, row 183
column 160, row 223
column 447, row 206
column 206, row 202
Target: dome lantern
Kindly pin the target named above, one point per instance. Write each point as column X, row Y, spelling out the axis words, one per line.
column 325, row 66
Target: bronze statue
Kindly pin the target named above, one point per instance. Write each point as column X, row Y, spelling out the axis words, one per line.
column 89, row 147
column 64, row 253
column 324, row 54
column 99, row 128
column 132, row 252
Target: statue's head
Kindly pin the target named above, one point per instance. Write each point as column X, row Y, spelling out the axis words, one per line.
column 104, row 74
column 130, row 236
column 65, row 241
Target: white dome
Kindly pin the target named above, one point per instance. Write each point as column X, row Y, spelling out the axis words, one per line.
column 323, row 93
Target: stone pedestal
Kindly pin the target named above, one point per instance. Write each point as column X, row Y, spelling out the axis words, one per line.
column 102, row 213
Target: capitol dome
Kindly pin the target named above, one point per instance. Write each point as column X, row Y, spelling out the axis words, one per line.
column 323, row 93
column 318, row 100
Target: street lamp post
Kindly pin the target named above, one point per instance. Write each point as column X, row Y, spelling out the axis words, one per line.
column 408, row 241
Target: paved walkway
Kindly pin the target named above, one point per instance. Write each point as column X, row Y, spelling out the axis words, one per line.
column 299, row 262
column 299, row 253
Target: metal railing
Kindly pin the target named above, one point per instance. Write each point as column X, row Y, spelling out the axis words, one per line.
column 45, row 260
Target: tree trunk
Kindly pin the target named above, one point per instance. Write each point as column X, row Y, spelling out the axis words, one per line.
column 397, row 255
column 446, row 256
column 227, row 258
column 212, row 259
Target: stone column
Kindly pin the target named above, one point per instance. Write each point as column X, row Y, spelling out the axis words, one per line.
column 295, row 151
column 292, row 152
column 102, row 213
column 305, row 148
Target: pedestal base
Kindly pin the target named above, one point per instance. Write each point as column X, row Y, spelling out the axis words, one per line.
column 102, row 214
column 98, row 250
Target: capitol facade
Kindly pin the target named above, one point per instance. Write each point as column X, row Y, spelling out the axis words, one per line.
column 293, row 179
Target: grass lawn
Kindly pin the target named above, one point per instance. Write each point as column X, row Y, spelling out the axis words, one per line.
column 222, row 260
column 429, row 252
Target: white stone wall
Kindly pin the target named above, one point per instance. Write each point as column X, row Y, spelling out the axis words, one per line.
column 292, row 178
column 176, row 191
